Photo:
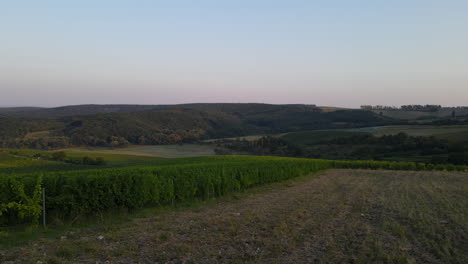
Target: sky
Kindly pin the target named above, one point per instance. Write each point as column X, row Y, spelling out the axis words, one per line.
column 330, row 52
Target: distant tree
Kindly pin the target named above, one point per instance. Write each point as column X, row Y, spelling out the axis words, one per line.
column 142, row 140
column 453, row 114
column 458, row 158
column 59, row 155
column 99, row 161
column 86, row 160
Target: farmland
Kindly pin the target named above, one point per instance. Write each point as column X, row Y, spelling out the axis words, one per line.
column 419, row 143
column 18, row 164
column 356, row 194
column 307, row 137
column 163, row 151
column 24, row 160
column 337, row 216
column 185, row 132
column 238, row 209
column 74, row 190
column 414, row 130
column 83, row 192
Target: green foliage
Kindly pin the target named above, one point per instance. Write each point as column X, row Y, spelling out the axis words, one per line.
column 15, row 204
column 267, row 145
column 12, row 164
column 344, row 145
column 117, row 126
column 88, row 191
column 86, row 160
column 314, row 137
column 59, row 155
column 20, row 159
column 83, row 192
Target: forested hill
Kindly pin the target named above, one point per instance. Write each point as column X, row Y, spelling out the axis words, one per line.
column 14, row 110
column 90, row 109
column 72, row 110
column 117, row 125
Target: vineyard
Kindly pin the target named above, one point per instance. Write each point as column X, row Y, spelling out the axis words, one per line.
column 71, row 193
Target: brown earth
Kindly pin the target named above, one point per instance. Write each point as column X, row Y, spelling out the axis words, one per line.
column 337, row 216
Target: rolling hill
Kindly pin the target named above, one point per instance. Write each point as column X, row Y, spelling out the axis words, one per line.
column 445, row 112
column 118, row 125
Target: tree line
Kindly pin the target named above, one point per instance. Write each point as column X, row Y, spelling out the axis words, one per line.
column 355, row 147
column 419, row 108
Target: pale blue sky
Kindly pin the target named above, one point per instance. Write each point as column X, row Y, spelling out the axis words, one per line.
column 343, row 53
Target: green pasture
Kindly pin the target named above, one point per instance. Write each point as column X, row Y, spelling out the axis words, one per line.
column 313, row 137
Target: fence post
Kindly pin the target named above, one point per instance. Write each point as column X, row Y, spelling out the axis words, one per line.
column 43, row 209
column 173, row 190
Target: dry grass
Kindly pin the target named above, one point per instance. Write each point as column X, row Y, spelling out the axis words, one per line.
column 341, row 216
column 165, row 151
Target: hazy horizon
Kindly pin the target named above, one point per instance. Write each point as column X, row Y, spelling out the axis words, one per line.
column 337, row 106
column 328, row 53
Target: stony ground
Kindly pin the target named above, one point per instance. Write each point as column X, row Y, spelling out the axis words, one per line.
column 338, row 216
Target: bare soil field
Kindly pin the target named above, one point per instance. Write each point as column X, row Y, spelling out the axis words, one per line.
column 337, row 216
column 164, row 151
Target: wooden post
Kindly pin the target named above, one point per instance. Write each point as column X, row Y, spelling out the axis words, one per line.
column 43, row 209
column 173, row 192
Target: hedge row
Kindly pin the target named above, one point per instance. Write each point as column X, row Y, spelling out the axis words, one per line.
column 73, row 193
column 84, row 192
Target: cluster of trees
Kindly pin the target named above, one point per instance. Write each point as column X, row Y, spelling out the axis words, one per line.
column 62, row 156
column 398, row 142
column 169, row 137
column 399, row 146
column 89, row 161
column 110, row 141
column 268, row 145
column 378, row 107
column 447, row 122
column 419, row 108
column 460, row 158
column 47, row 143
column 356, row 147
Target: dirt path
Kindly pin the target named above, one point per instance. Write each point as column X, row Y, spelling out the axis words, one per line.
column 341, row 216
